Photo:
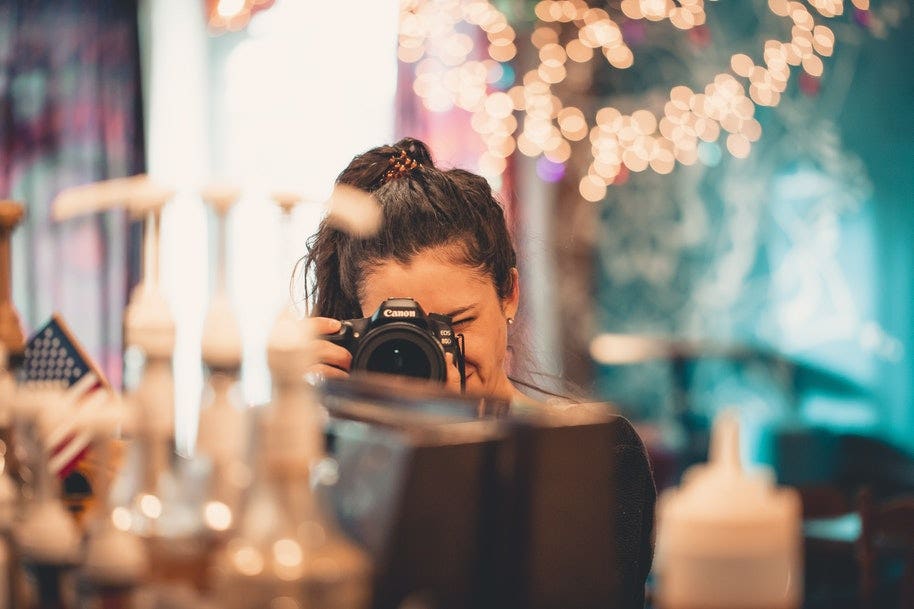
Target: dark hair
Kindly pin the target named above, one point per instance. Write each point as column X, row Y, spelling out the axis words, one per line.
column 422, row 207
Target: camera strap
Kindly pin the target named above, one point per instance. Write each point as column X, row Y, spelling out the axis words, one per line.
column 460, row 361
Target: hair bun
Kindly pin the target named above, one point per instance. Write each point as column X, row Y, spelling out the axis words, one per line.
column 415, row 150
column 375, row 168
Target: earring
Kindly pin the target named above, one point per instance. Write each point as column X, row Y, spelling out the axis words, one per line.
column 510, row 320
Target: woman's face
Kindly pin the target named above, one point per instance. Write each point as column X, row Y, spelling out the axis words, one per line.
column 468, row 295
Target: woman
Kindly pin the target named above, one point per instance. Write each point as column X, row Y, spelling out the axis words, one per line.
column 444, row 242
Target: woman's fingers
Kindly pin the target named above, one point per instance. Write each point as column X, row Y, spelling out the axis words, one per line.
column 324, row 325
column 325, row 352
column 327, row 372
column 453, row 375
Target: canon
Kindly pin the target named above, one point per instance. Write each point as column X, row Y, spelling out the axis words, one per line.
column 400, row 338
column 396, row 313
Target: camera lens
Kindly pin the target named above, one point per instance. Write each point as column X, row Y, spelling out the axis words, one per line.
column 401, row 349
column 401, row 357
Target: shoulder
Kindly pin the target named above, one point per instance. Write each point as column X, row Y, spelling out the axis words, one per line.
column 624, row 431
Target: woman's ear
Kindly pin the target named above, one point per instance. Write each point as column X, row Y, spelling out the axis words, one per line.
column 512, row 300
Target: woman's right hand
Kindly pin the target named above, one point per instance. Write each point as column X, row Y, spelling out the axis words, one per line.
column 331, row 360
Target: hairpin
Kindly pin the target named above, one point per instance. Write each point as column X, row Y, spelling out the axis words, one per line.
column 400, row 165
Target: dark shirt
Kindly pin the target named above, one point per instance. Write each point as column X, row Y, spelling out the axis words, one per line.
column 635, row 500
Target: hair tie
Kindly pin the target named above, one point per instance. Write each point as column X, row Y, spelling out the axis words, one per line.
column 399, row 166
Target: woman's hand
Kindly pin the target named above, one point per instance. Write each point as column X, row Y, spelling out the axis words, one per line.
column 452, row 382
column 332, row 360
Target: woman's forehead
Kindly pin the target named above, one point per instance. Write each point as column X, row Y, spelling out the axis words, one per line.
column 438, row 284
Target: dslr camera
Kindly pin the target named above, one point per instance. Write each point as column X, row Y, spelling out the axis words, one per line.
column 400, row 338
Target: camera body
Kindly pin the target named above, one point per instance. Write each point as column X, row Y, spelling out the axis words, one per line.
column 400, row 338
